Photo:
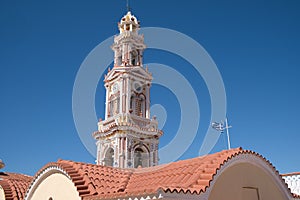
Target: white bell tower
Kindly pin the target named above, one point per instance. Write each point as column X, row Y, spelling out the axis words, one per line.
column 128, row 138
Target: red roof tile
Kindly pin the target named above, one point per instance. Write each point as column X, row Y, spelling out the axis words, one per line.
column 14, row 185
column 187, row 176
column 91, row 179
column 192, row 175
column 291, row 174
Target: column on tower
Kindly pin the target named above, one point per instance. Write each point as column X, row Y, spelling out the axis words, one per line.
column 128, row 96
column 148, row 101
column 107, row 102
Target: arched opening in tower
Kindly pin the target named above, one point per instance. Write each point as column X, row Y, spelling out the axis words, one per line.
column 109, row 157
column 141, row 158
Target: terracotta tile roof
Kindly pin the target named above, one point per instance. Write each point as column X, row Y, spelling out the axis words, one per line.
column 96, row 179
column 192, row 175
column 187, row 176
column 14, row 185
column 291, row 174
column 91, row 179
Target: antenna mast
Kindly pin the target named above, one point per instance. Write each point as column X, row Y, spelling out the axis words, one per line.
column 221, row 127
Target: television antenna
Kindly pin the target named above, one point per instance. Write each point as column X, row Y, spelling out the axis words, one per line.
column 221, row 127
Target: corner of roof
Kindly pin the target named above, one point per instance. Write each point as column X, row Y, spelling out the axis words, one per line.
column 216, row 161
column 291, row 174
column 241, row 151
column 14, row 184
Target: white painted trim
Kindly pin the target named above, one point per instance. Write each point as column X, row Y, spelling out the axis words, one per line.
column 146, row 197
column 2, row 193
column 181, row 195
column 42, row 176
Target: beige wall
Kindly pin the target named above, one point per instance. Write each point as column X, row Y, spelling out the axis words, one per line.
column 245, row 181
column 58, row 186
column 2, row 195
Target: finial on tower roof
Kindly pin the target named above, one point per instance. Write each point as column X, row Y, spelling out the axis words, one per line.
column 129, row 23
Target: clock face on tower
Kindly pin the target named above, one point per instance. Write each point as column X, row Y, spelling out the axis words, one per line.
column 137, row 86
column 115, row 88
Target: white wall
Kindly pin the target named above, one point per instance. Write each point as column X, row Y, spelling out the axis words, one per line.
column 245, row 181
column 58, row 186
column 2, row 195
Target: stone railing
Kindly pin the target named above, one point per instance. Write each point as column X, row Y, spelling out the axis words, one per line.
column 129, row 120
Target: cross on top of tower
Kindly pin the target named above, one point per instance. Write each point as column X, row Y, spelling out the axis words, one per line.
column 127, row 5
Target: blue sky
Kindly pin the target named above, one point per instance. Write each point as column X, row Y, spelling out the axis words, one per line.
column 255, row 45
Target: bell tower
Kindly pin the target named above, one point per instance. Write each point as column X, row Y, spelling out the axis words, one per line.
column 128, row 137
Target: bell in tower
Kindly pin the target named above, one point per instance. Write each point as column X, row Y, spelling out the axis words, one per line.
column 128, row 137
